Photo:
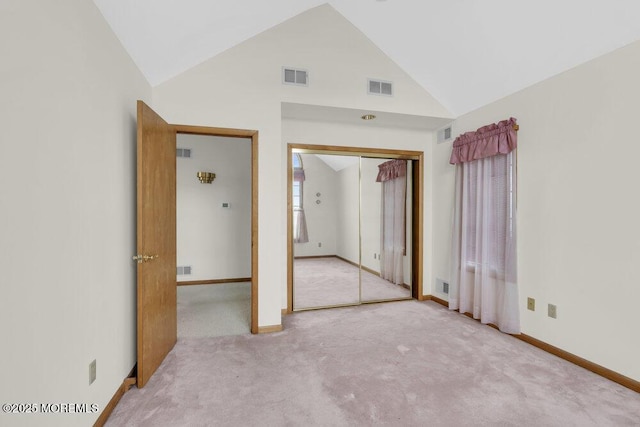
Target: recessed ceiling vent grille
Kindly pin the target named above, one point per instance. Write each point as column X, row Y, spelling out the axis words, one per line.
column 184, row 270
column 379, row 87
column 445, row 134
column 294, row 76
column 183, row 152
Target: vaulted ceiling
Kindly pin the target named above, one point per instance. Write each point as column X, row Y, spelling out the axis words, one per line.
column 466, row 53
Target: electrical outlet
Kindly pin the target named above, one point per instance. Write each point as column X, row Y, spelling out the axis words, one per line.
column 92, row 372
column 319, row 244
column 551, row 311
column 531, row 304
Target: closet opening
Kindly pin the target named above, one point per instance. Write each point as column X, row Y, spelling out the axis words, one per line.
column 354, row 226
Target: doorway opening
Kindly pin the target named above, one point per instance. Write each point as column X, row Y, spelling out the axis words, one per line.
column 156, row 244
column 237, row 136
column 213, row 235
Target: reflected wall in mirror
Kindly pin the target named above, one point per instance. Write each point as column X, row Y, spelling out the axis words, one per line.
column 326, row 254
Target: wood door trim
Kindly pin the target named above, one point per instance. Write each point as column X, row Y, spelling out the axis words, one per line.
column 240, row 133
column 204, row 130
column 289, row 308
column 418, row 208
column 358, row 151
column 417, row 219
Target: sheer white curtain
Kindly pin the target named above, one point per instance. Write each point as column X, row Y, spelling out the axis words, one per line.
column 393, row 175
column 484, row 270
column 300, row 233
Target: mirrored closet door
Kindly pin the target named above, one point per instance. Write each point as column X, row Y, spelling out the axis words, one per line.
column 325, row 209
column 351, row 225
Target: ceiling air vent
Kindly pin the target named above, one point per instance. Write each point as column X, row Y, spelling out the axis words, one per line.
column 183, row 152
column 293, row 76
column 445, row 134
column 379, row 87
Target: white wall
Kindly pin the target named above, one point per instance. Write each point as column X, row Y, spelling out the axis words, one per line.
column 348, row 215
column 241, row 88
column 214, row 241
column 321, row 218
column 67, row 178
column 578, row 206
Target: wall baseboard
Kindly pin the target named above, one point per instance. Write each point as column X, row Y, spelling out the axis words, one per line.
column 269, row 329
column 569, row 357
column 214, row 281
column 313, row 256
column 346, row 260
column 128, row 382
column 434, row 299
column 584, row 363
column 369, row 270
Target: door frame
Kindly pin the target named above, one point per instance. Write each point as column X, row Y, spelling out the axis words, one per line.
column 253, row 135
column 417, row 221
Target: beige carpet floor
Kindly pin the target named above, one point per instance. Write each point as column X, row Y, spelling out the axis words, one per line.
column 214, row 310
column 405, row 363
column 321, row 282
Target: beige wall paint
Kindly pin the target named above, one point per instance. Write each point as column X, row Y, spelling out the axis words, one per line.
column 241, row 88
column 578, row 206
column 214, row 241
column 67, row 173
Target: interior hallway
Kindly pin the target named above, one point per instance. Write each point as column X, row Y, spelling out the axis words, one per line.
column 214, row 310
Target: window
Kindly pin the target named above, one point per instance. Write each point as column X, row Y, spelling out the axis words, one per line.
column 484, row 277
column 300, row 234
column 491, row 179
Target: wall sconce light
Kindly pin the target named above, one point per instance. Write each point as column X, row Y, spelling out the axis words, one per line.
column 206, row 177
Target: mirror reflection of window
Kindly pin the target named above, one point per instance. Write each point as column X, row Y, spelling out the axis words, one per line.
column 298, row 172
column 300, row 233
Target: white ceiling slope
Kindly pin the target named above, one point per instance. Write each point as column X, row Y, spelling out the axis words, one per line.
column 466, row 53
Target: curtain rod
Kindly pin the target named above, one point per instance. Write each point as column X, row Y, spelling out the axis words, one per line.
column 516, row 127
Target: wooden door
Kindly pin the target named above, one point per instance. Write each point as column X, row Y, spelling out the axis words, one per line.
column 156, row 241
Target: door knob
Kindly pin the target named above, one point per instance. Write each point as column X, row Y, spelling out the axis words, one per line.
column 144, row 258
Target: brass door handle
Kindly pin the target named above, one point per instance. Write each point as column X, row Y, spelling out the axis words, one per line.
column 144, row 258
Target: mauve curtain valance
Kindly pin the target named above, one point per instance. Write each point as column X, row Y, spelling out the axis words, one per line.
column 298, row 175
column 487, row 141
column 391, row 170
